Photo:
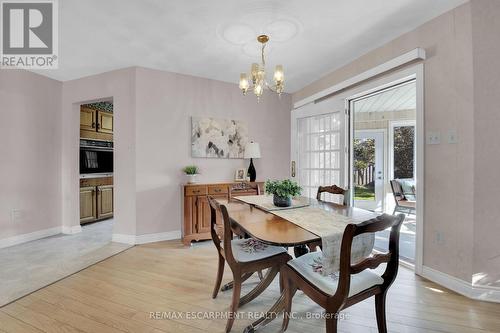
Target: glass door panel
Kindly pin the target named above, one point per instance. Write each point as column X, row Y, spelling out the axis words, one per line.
column 318, row 152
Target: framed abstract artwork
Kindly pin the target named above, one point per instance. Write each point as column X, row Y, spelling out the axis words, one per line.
column 218, row 138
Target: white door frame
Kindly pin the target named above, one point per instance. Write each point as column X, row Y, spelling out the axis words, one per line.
column 411, row 71
column 382, row 131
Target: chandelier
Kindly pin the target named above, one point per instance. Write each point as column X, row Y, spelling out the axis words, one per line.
column 257, row 82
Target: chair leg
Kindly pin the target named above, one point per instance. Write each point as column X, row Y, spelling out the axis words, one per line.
column 394, row 211
column 218, row 280
column 235, row 302
column 380, row 310
column 289, row 289
column 331, row 323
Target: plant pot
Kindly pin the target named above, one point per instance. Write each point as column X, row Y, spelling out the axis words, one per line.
column 191, row 179
column 282, row 201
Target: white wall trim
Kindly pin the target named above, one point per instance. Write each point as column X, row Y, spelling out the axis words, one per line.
column 480, row 293
column 19, row 239
column 416, row 54
column 147, row 238
column 162, row 236
column 70, row 230
column 123, row 238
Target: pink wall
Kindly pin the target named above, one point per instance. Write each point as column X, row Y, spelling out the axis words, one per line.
column 120, row 85
column 152, row 140
column 30, row 152
column 449, row 104
column 165, row 104
column 485, row 33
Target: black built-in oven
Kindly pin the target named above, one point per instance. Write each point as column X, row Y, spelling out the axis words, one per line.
column 96, row 156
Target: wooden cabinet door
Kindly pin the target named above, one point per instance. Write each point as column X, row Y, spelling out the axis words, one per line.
column 203, row 213
column 105, row 123
column 104, row 201
column 88, row 211
column 88, row 119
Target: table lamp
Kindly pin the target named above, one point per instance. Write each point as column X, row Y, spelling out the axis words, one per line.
column 252, row 150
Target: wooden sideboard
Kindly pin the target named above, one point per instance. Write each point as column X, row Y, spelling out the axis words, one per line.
column 197, row 209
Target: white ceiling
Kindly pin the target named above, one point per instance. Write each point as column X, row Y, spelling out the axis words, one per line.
column 214, row 38
column 399, row 98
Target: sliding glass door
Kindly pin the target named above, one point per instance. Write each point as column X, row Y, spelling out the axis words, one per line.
column 318, row 146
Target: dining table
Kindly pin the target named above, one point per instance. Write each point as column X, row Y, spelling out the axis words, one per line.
column 264, row 225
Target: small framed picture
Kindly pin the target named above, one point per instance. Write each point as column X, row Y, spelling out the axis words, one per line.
column 240, row 175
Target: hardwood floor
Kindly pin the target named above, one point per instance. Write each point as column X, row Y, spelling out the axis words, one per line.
column 118, row 295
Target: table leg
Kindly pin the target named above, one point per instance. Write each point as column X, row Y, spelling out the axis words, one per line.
column 270, row 315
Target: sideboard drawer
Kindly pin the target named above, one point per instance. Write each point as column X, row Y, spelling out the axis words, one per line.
column 196, row 190
column 218, row 189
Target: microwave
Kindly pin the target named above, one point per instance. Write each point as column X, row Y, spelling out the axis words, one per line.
column 96, row 156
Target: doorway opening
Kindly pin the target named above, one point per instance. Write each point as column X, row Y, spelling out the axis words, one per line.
column 384, row 159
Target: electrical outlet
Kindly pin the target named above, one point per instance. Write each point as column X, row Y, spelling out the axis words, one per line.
column 452, row 136
column 16, row 215
column 433, row 138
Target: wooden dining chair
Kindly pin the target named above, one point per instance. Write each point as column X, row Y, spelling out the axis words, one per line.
column 354, row 282
column 333, row 189
column 244, row 257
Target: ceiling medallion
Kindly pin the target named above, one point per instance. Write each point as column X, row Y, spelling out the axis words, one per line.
column 257, row 75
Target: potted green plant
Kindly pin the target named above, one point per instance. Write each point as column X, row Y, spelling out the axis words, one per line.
column 191, row 171
column 282, row 191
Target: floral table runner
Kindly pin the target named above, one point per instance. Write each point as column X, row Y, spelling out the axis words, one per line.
column 266, row 202
column 327, row 224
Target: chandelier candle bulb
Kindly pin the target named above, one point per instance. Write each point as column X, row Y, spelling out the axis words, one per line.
column 244, row 83
column 279, row 74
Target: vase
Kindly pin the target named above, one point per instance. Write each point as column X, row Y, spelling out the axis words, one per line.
column 191, row 179
column 282, row 201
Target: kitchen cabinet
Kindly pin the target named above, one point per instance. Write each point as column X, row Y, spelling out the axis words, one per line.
column 105, row 122
column 96, row 124
column 88, row 209
column 104, row 201
column 88, row 119
column 96, row 199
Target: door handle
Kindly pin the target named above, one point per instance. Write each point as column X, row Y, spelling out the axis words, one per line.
column 93, row 124
column 293, row 169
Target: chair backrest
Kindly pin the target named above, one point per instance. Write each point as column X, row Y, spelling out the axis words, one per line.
column 243, row 186
column 391, row 257
column 397, row 191
column 333, row 189
column 223, row 245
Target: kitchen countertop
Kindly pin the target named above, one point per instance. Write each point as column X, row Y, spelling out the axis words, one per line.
column 96, row 175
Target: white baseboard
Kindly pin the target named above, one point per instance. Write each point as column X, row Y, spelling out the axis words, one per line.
column 480, row 293
column 162, row 236
column 70, row 230
column 19, row 239
column 147, row 238
column 123, row 238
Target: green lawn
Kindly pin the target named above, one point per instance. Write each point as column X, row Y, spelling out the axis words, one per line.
column 363, row 193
